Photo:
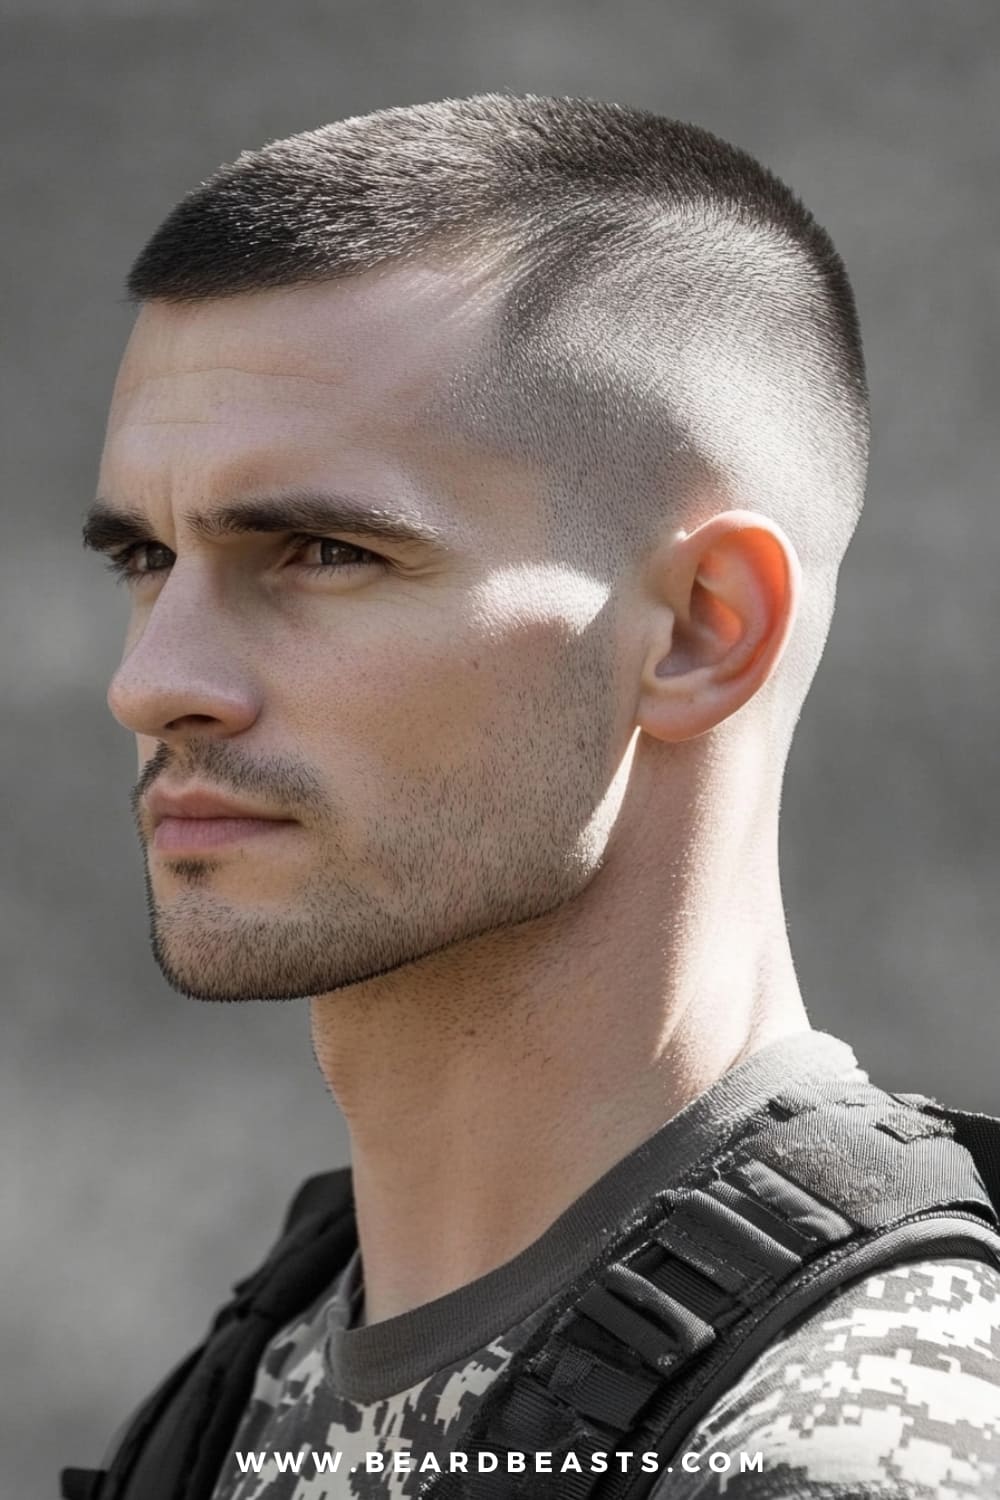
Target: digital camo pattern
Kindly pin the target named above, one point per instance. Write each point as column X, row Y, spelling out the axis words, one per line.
column 889, row 1391
column 294, row 1406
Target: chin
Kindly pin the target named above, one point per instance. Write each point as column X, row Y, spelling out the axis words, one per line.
column 214, row 970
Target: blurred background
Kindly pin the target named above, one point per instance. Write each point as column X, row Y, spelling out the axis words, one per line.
column 159, row 1139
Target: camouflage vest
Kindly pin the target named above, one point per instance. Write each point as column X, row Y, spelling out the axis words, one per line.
column 826, row 1185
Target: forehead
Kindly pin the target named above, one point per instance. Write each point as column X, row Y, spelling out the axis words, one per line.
column 266, row 387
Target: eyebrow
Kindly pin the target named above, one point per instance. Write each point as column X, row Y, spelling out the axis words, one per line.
column 107, row 527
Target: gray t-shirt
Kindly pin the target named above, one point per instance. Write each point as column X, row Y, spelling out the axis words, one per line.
column 889, row 1389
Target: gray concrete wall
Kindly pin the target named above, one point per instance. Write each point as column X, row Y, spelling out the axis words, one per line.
column 158, row 1138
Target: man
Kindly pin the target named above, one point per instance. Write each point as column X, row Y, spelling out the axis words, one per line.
column 481, row 473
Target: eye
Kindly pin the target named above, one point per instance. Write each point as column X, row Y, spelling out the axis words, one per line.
column 143, row 560
column 327, row 545
column 122, row 564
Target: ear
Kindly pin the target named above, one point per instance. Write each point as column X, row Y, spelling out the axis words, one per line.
column 725, row 598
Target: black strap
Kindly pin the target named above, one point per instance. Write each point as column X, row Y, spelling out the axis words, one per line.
column 706, row 1258
column 632, row 1359
column 980, row 1135
column 81, row 1484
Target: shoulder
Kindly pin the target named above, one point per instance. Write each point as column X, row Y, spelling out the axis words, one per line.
column 889, row 1390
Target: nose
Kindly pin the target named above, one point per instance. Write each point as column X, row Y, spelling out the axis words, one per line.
column 183, row 670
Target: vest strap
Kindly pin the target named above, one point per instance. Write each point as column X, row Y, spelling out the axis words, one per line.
column 81, row 1484
column 632, row 1356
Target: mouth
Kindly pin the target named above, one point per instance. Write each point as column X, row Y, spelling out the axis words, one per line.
column 195, row 819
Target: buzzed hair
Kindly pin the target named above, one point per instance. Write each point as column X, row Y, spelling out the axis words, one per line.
column 676, row 333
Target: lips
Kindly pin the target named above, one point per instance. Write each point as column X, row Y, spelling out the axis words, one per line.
column 190, row 822
column 201, row 805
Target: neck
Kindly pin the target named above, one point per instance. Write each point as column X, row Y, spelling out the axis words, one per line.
column 487, row 1086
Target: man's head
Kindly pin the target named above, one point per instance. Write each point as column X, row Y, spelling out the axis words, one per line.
column 607, row 370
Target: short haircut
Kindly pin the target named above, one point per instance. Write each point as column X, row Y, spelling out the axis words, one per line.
column 676, row 333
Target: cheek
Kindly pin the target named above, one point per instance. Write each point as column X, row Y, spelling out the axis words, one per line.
column 436, row 711
column 420, row 705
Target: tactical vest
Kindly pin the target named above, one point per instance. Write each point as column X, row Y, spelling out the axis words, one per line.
column 823, row 1186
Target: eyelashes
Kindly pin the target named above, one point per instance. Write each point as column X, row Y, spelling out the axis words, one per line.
column 119, row 563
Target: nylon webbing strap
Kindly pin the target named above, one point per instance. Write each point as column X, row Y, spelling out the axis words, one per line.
column 980, row 1135
column 712, row 1254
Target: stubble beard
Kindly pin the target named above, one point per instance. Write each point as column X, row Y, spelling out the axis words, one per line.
column 335, row 933
column 501, row 841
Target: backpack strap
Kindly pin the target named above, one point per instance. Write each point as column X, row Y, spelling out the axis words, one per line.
column 979, row 1134
column 824, row 1192
column 173, row 1446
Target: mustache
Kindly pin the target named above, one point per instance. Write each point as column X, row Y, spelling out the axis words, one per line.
column 279, row 782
